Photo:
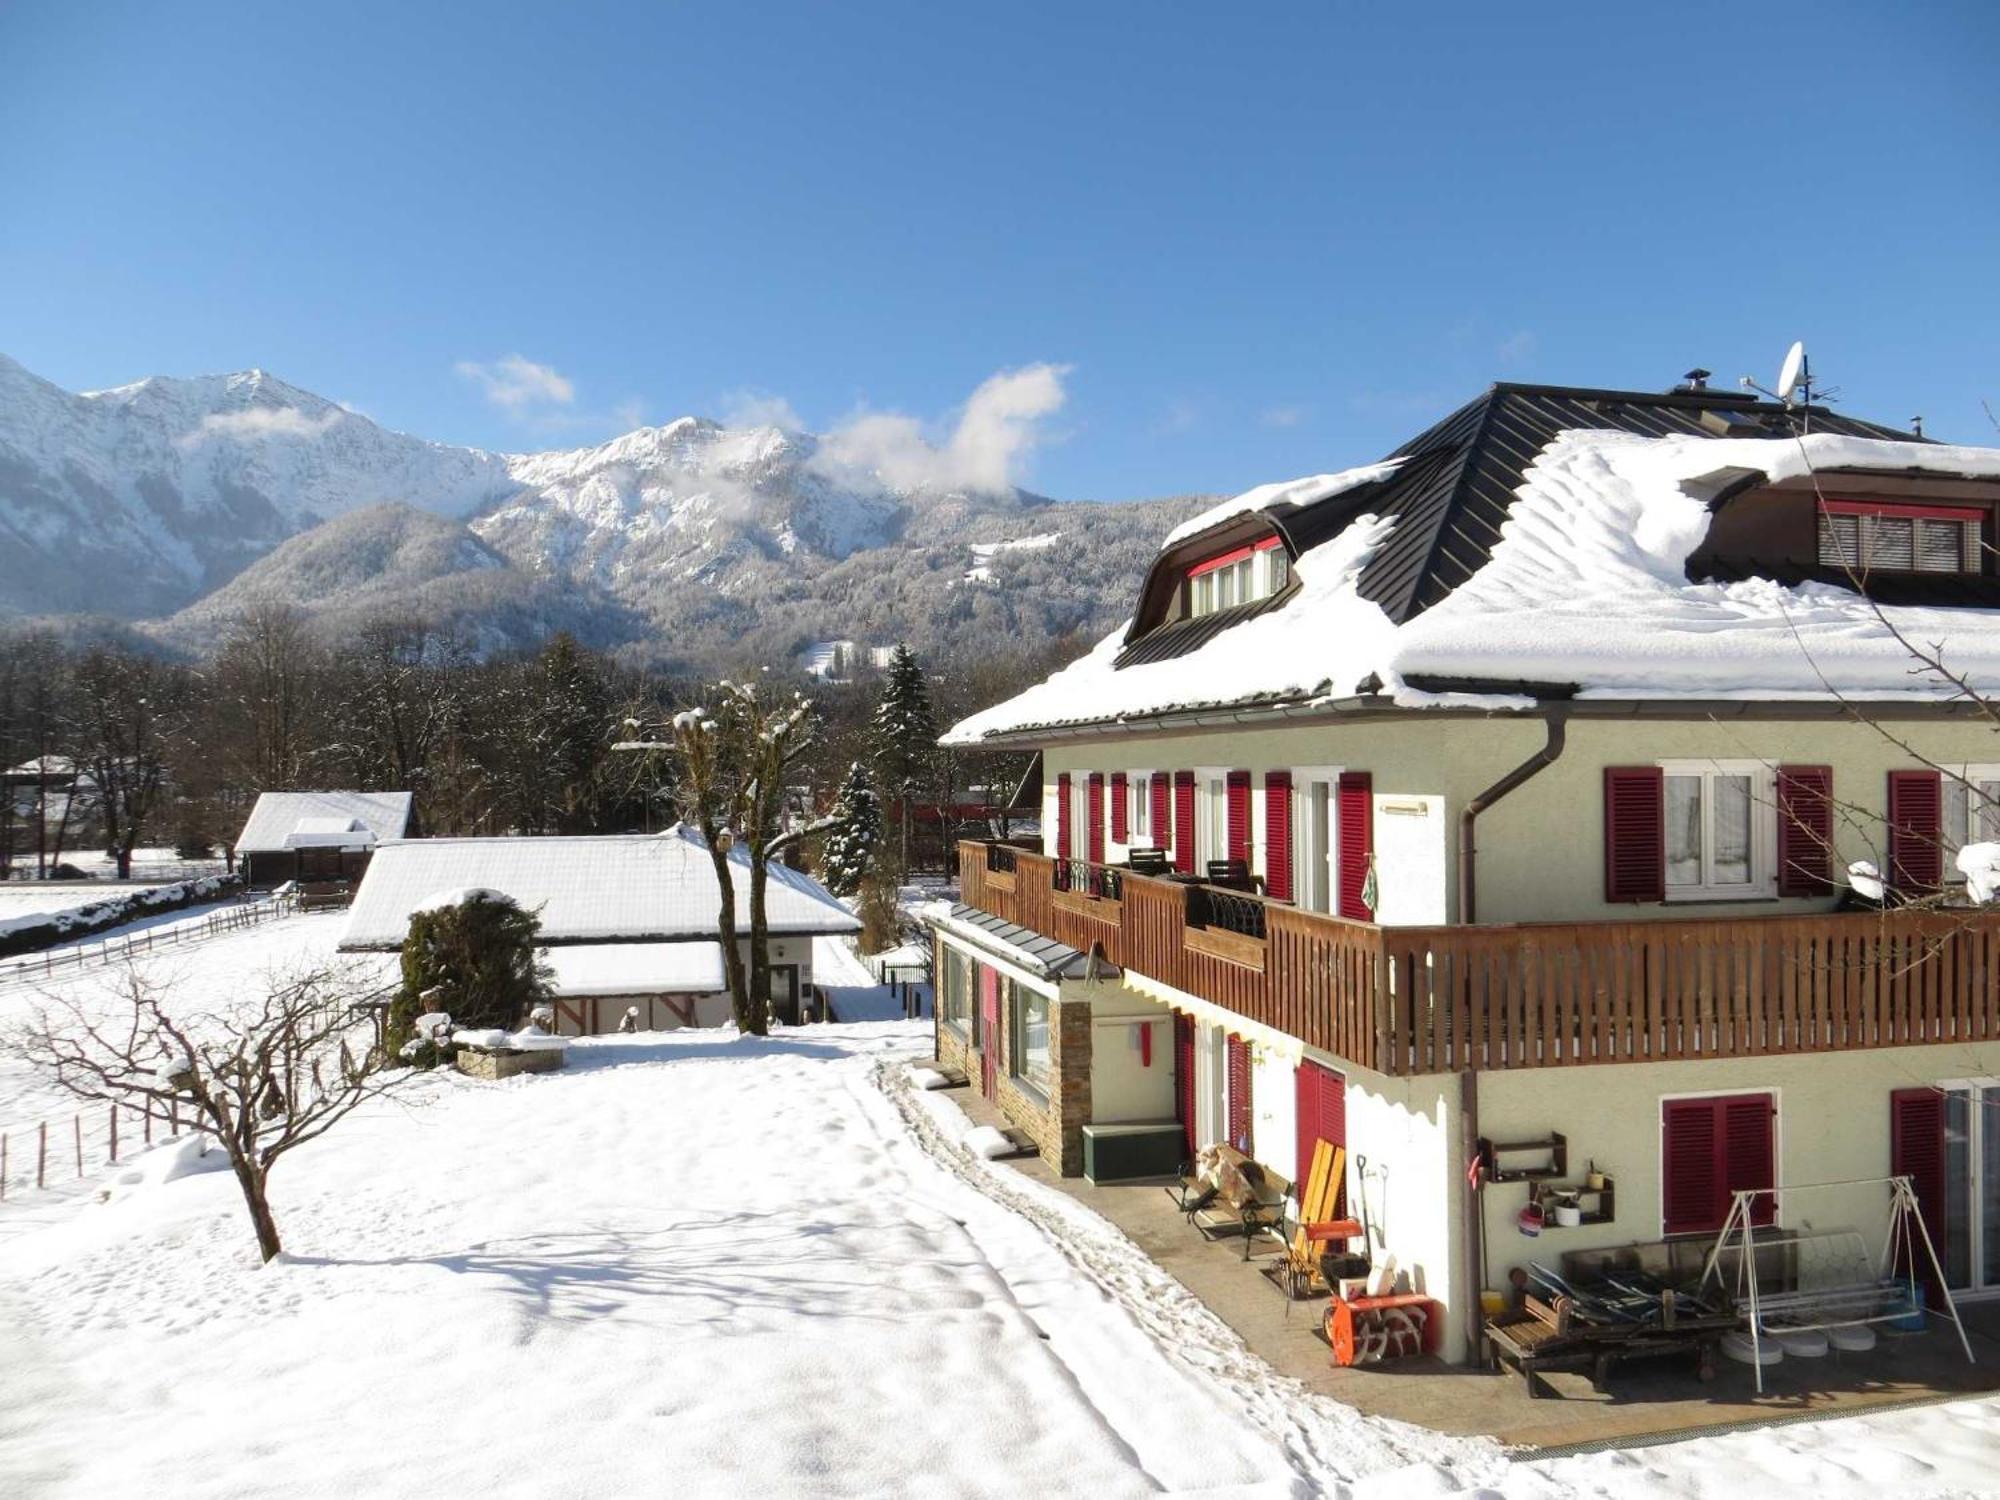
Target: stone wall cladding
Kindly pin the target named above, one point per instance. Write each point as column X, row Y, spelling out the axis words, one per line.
column 494, row 1066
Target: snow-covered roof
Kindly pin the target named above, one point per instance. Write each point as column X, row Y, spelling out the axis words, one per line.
column 637, row 969
column 1308, row 491
column 297, row 820
column 626, row 887
column 1586, row 586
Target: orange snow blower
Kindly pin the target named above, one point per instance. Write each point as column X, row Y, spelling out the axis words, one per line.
column 1374, row 1330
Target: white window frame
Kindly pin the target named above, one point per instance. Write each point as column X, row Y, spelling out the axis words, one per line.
column 1303, row 778
column 1955, row 783
column 1211, row 815
column 1139, row 830
column 1763, row 882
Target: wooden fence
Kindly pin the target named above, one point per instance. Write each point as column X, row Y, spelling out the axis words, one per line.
column 1444, row 999
column 30, row 968
column 48, row 1153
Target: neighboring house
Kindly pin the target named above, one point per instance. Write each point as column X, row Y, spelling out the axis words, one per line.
column 1506, row 791
column 317, row 836
column 628, row 919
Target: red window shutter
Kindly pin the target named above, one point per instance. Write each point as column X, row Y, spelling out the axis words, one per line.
column 1278, row 837
column 1748, row 1158
column 1061, row 850
column 1322, row 1116
column 1184, row 822
column 1635, row 834
column 1239, row 1095
column 1805, row 830
column 1162, row 834
column 1239, row 816
column 1355, row 795
column 1711, row 1149
column 1118, row 796
column 1916, row 822
column 1690, row 1176
column 1095, row 834
column 1916, row 1151
column 1184, row 1079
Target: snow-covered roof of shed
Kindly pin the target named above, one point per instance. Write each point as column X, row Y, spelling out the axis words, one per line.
column 1586, row 586
column 292, row 820
column 637, row 969
column 629, row 887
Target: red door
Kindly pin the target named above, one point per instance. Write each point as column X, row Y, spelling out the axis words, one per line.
column 989, row 1030
column 1322, row 1116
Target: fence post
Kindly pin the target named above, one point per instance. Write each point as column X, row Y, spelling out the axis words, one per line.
column 42, row 1155
column 3, row 1166
column 78, row 1122
column 114, row 1134
column 149, row 1121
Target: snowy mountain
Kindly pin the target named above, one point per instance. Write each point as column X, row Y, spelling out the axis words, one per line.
column 179, row 501
column 138, row 500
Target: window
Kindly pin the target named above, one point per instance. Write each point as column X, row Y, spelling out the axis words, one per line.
column 1139, row 807
column 1971, row 812
column 1030, row 1052
column 1239, row 577
column 1710, row 1150
column 955, row 990
column 1720, row 829
column 1899, row 538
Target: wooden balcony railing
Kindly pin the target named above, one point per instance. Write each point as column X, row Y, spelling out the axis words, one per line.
column 1442, row 999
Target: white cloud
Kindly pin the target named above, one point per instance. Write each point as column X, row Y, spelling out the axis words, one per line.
column 987, row 448
column 1283, row 416
column 1517, row 348
column 760, row 409
column 516, row 383
column 256, row 423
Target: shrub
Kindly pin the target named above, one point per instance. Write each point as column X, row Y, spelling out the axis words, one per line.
column 471, row 955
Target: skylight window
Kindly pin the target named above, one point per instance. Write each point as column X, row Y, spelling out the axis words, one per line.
column 1239, row 577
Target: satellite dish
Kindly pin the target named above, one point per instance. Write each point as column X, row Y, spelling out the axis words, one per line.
column 1788, row 377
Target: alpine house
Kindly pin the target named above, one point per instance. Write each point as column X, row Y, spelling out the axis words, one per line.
column 1523, row 801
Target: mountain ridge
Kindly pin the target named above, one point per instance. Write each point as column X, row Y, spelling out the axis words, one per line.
column 172, row 502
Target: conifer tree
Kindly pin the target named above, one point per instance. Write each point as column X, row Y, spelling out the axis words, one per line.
column 472, row 957
column 857, row 829
column 904, row 734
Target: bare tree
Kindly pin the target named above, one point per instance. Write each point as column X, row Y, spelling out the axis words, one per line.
column 736, row 752
column 127, row 714
column 263, row 1080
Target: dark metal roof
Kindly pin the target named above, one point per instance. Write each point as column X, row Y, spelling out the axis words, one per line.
column 1451, row 494
column 1449, row 510
column 1054, row 959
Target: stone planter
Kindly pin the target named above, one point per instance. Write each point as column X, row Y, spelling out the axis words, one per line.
column 496, row 1063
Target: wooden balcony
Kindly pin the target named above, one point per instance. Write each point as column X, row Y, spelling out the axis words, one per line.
column 1409, row 1000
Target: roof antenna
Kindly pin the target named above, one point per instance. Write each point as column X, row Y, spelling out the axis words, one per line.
column 1917, row 424
column 1795, row 375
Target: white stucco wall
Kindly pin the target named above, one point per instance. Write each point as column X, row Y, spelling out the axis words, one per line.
column 1832, row 1125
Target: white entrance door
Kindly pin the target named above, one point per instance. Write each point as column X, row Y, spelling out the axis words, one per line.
column 1315, row 840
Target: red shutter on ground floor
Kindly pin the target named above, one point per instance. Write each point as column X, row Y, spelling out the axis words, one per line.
column 1239, row 1095
column 1185, row 821
column 1916, row 822
column 1162, row 833
column 1184, row 1079
column 1238, row 786
column 1805, row 830
column 1355, row 817
column 1118, row 795
column 1322, row 1116
column 1709, row 1150
column 1635, row 834
column 1095, row 836
column 1278, row 834
column 1916, row 1151
column 1062, row 848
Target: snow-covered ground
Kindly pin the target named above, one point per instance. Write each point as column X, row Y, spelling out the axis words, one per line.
column 33, row 898
column 701, row 1264
column 210, row 971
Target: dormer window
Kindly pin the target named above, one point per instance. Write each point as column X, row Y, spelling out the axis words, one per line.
column 1865, row 537
column 1239, row 577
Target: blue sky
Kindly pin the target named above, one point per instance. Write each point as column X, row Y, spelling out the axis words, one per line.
column 1252, row 242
